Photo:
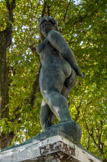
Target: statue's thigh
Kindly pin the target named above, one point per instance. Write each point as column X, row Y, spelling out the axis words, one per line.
column 52, row 79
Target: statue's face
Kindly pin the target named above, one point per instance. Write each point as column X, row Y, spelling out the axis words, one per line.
column 45, row 27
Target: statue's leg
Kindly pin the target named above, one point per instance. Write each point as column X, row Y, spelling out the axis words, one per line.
column 58, row 105
column 46, row 116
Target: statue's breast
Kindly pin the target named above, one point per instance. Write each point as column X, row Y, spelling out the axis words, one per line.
column 52, row 59
column 49, row 56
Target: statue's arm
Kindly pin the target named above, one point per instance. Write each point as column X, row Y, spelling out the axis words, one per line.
column 41, row 46
column 59, row 43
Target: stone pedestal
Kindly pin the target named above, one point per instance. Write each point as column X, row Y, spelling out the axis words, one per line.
column 52, row 149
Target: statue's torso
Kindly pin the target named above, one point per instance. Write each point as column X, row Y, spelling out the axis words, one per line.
column 52, row 59
column 54, row 69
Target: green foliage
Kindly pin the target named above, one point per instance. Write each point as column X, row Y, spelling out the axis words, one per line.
column 83, row 27
column 3, row 15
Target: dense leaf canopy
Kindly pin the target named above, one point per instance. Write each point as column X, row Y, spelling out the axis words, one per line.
column 83, row 25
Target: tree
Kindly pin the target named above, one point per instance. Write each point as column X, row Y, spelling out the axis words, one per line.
column 5, row 42
column 83, row 26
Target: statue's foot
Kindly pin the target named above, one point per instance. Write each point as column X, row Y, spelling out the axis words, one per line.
column 69, row 128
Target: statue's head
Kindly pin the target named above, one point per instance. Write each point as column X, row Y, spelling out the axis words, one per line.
column 45, row 25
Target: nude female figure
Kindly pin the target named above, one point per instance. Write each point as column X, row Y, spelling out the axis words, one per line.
column 58, row 73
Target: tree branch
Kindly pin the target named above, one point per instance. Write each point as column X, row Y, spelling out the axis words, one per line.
column 101, row 123
column 35, row 88
column 98, row 145
column 10, row 7
column 7, row 5
column 66, row 11
column 44, row 8
column 48, row 10
column 78, row 111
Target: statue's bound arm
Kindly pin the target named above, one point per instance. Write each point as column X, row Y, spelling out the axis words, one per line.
column 59, row 43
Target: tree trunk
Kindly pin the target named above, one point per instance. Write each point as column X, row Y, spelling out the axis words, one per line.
column 4, row 96
column 5, row 42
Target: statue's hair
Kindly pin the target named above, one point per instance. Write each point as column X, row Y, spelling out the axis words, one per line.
column 48, row 18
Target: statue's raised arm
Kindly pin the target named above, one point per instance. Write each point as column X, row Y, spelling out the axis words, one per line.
column 59, row 43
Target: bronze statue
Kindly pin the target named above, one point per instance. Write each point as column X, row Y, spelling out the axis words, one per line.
column 58, row 73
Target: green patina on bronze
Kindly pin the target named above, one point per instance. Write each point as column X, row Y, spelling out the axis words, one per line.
column 58, row 75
